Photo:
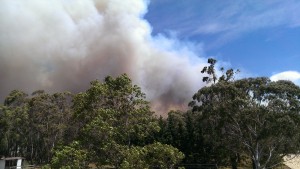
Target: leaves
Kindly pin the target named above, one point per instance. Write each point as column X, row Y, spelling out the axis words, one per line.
column 154, row 155
column 113, row 114
column 111, row 125
column 33, row 125
column 253, row 116
column 70, row 157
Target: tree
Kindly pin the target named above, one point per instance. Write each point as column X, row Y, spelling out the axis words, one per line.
column 183, row 130
column 123, row 97
column 49, row 115
column 176, row 130
column 69, row 157
column 14, row 124
column 212, row 74
column 210, row 70
column 154, row 155
column 111, row 115
column 32, row 126
column 253, row 116
column 104, row 126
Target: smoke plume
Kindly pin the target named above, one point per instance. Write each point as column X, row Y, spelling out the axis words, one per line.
column 62, row 45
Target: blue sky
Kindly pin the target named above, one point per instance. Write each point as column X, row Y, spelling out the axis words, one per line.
column 260, row 37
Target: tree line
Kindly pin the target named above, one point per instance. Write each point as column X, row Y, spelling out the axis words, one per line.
column 111, row 125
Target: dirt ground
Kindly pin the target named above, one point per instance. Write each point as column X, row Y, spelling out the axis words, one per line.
column 292, row 161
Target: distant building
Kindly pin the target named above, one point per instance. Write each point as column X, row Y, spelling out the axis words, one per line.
column 10, row 162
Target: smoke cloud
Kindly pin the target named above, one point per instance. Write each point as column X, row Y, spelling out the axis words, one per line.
column 62, row 45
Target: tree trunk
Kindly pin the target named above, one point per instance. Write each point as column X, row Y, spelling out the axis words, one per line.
column 234, row 161
column 256, row 158
column 256, row 164
column 253, row 164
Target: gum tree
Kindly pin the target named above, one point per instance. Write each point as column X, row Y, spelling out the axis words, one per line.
column 115, row 118
column 254, row 116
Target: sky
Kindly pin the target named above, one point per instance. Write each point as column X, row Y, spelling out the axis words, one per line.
column 62, row 45
column 262, row 38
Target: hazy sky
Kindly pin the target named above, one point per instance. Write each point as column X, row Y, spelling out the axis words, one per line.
column 260, row 37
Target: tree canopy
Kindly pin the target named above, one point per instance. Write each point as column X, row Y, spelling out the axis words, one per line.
column 111, row 125
column 254, row 116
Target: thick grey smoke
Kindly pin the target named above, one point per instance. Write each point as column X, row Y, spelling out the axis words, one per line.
column 60, row 45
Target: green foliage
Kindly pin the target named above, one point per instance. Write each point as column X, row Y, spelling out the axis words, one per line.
column 153, row 155
column 162, row 155
column 212, row 74
column 130, row 110
column 14, row 124
column 253, row 116
column 183, row 130
column 174, row 130
column 210, row 70
column 113, row 115
column 49, row 117
column 70, row 157
column 135, row 158
column 111, row 125
column 32, row 126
